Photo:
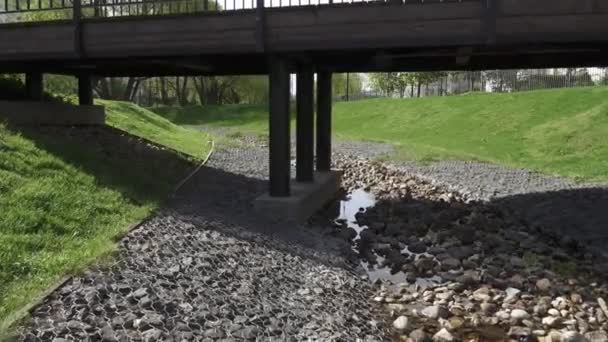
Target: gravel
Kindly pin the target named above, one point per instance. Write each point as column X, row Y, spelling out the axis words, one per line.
column 495, row 275
column 207, row 269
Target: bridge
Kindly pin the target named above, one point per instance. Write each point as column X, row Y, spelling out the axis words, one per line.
column 279, row 37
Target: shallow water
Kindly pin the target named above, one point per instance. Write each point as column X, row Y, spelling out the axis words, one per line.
column 359, row 201
column 356, row 201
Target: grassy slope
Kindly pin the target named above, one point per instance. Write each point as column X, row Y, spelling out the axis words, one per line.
column 555, row 131
column 61, row 205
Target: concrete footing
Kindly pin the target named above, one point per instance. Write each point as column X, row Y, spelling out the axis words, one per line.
column 50, row 114
column 304, row 201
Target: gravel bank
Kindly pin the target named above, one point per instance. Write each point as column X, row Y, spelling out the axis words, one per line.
column 207, row 269
column 484, row 181
column 489, row 274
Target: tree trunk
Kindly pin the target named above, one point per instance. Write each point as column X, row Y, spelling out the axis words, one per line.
column 164, row 95
column 419, row 86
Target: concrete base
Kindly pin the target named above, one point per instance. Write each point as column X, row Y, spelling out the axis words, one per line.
column 305, row 199
column 50, row 114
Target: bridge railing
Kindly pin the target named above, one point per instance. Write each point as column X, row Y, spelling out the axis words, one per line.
column 43, row 10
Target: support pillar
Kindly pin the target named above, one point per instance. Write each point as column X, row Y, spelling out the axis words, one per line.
column 34, row 86
column 305, row 124
column 85, row 90
column 279, row 120
column 324, row 121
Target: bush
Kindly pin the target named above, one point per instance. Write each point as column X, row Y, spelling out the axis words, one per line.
column 13, row 88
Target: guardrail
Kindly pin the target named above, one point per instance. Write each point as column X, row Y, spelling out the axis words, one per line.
column 43, row 10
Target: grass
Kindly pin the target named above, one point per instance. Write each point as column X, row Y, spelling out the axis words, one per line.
column 144, row 123
column 561, row 131
column 62, row 205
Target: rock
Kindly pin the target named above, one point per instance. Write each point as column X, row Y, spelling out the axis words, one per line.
column 519, row 314
column 401, row 323
column 417, row 247
column 443, row 335
column 450, row 264
column 511, row 294
column 152, row 335
column 140, row 293
column 424, row 264
column 572, row 336
column 107, row 334
column 434, row 312
column 519, row 333
column 482, row 294
column 602, row 303
column 552, row 322
column 597, row 336
column 543, row 285
column 419, row 335
column 488, row 308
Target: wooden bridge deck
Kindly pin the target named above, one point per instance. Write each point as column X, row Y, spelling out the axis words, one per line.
column 353, row 37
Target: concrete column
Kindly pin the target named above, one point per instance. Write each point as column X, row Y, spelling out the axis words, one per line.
column 85, row 90
column 324, row 121
column 279, row 136
column 305, row 124
column 34, row 86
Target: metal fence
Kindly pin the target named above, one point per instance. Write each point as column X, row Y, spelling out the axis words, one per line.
column 489, row 81
column 41, row 10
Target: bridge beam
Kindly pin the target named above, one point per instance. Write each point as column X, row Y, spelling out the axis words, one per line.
column 305, row 124
column 324, row 121
column 279, row 132
column 34, row 86
column 85, row 90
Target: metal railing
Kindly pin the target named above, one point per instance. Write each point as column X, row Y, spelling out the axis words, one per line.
column 41, row 10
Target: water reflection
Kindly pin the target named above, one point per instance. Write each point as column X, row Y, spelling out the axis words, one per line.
column 356, row 203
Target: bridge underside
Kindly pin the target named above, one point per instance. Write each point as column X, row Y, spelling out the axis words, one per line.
column 367, row 37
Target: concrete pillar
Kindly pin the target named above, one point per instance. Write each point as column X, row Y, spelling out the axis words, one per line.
column 305, row 124
column 85, row 90
column 34, row 86
column 324, row 121
column 279, row 136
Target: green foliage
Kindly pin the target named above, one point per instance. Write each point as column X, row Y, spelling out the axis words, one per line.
column 339, row 85
column 13, row 88
column 561, row 131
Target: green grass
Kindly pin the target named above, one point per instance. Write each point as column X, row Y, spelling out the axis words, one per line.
column 560, row 131
column 144, row 123
column 62, row 205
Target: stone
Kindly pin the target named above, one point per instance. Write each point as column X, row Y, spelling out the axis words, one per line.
column 482, row 294
column 107, row 334
column 450, row 264
column 424, row 264
column 519, row 314
column 597, row 336
column 419, row 335
column 511, row 294
column 417, row 247
column 139, row 293
column 152, row 335
column 572, row 336
column 543, row 285
column 401, row 323
column 602, row 303
column 434, row 312
column 443, row 335
column 552, row 321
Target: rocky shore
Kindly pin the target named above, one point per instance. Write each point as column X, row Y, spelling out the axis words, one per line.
column 495, row 277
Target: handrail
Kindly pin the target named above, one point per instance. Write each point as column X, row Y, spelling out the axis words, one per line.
column 25, row 10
